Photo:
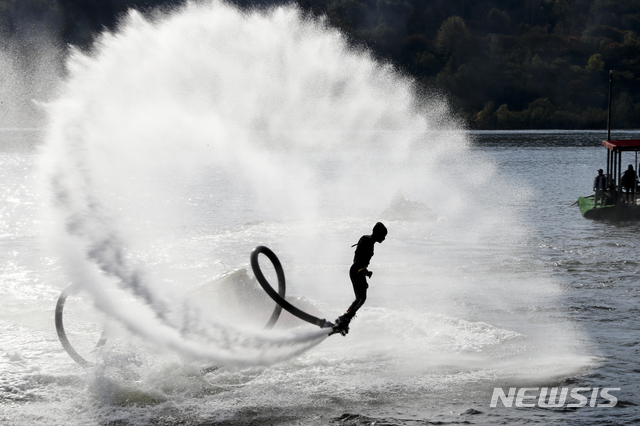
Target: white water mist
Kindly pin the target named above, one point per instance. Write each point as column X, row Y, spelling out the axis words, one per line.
column 208, row 120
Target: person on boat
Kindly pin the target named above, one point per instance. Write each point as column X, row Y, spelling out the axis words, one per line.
column 599, row 185
column 359, row 272
column 612, row 196
column 629, row 181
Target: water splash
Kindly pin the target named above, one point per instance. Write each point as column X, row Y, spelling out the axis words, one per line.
column 208, row 86
column 234, row 129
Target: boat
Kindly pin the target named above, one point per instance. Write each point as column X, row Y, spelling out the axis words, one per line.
column 618, row 207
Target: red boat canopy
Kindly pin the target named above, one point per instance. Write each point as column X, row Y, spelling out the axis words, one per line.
column 623, row 145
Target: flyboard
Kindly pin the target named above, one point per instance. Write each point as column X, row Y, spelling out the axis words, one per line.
column 277, row 296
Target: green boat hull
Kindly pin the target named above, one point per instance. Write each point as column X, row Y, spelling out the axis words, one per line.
column 613, row 213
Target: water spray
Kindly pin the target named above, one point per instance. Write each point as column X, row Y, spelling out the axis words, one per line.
column 278, row 297
column 186, row 127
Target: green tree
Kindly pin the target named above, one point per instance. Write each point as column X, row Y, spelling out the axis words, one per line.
column 595, row 63
column 453, row 36
column 623, row 112
column 486, row 119
column 540, row 113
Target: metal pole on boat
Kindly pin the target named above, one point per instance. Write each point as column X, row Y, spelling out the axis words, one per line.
column 610, row 95
column 613, row 168
column 619, row 171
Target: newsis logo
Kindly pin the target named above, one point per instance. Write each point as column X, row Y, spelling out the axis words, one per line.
column 554, row 397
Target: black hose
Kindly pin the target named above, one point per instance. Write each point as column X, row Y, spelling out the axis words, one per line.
column 255, row 265
column 62, row 335
column 282, row 287
column 278, row 297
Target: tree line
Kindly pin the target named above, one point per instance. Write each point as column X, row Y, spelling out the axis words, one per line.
column 503, row 64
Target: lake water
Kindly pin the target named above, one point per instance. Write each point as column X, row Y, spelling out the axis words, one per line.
column 538, row 298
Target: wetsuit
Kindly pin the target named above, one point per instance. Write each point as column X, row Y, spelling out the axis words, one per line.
column 361, row 259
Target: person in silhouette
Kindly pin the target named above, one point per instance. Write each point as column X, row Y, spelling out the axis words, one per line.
column 359, row 272
column 629, row 181
column 599, row 185
column 612, row 196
